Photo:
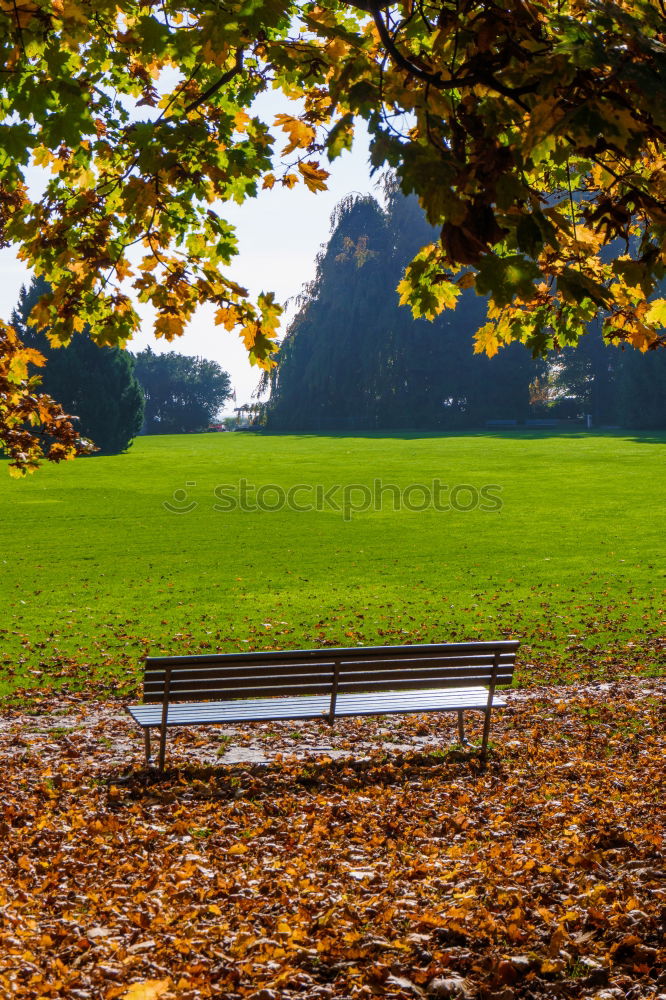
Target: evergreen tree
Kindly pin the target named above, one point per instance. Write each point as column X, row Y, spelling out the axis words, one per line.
column 96, row 384
column 353, row 358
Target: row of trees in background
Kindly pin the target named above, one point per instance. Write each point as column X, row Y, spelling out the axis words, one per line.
column 615, row 385
column 182, row 393
column 116, row 395
column 355, row 359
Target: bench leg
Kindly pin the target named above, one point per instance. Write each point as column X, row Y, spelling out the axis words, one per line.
column 486, row 733
column 146, row 740
column 461, row 730
column 163, row 736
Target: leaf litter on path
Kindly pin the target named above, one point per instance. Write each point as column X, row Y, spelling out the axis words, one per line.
column 281, row 860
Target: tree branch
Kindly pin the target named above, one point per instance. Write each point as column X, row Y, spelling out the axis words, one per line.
column 369, row 5
column 214, row 87
column 435, row 79
column 375, row 9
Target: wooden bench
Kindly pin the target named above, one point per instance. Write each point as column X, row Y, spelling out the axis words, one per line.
column 235, row 688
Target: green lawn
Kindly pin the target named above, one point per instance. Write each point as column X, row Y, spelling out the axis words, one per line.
column 96, row 570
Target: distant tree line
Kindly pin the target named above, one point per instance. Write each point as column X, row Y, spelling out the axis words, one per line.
column 182, row 393
column 116, row 395
column 353, row 358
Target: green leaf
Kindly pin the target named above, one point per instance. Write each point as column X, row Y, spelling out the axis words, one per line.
column 504, row 278
column 341, row 136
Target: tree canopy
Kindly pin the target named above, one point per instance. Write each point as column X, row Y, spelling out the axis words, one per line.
column 532, row 132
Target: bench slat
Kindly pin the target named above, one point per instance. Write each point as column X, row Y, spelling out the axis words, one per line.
column 156, row 676
column 405, row 662
column 370, row 705
column 325, row 658
column 258, row 710
column 222, row 690
column 239, row 668
column 343, row 652
column 473, row 678
column 383, row 671
column 317, row 678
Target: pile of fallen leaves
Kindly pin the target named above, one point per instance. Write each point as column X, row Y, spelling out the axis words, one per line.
column 291, row 860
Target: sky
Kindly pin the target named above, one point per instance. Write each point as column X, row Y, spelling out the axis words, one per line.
column 279, row 234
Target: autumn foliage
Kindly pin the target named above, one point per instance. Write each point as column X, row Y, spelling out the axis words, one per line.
column 364, row 861
column 23, row 407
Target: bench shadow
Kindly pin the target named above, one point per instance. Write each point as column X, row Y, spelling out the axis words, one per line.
column 258, row 781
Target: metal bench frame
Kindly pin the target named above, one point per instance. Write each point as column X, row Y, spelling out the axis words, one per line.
column 231, row 688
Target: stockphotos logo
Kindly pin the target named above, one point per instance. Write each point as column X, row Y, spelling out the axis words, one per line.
column 346, row 499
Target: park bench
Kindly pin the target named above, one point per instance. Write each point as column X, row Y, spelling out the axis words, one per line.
column 542, row 423
column 235, row 688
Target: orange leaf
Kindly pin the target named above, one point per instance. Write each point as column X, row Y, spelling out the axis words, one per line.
column 313, row 175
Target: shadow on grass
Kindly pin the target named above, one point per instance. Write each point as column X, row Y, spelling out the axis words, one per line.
column 515, row 433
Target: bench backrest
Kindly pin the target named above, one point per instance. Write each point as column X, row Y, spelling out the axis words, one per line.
column 229, row 676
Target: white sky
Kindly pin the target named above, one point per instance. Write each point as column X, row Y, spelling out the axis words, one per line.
column 279, row 235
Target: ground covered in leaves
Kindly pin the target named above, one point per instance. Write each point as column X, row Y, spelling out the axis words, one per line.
column 297, row 861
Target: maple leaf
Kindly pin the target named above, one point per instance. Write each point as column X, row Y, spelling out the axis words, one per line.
column 486, row 340
column 313, row 175
column 300, row 133
column 656, row 313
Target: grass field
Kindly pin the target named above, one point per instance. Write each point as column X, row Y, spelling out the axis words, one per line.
column 97, row 569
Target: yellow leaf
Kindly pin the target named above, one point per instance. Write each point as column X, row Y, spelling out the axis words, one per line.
column 42, row 156
column 169, row 325
column 151, row 989
column 541, row 122
column 549, row 965
column 241, row 121
column 73, row 12
column 485, row 340
column 656, row 314
column 300, row 133
column 269, row 181
column 238, row 849
column 227, row 317
column 34, row 357
column 18, row 369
